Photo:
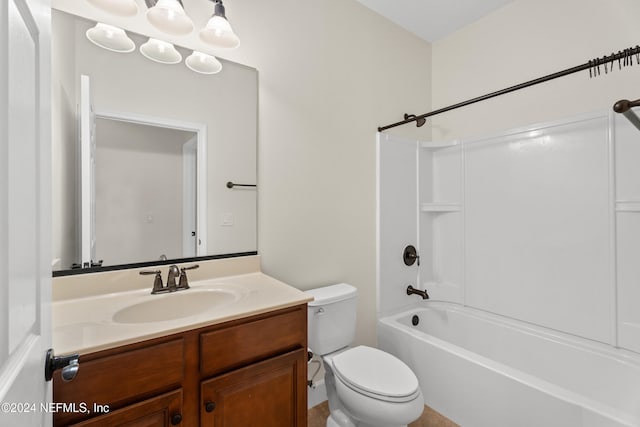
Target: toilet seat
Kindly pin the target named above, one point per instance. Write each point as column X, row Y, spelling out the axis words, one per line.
column 376, row 374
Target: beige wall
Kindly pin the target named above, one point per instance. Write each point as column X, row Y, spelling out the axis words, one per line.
column 525, row 40
column 331, row 72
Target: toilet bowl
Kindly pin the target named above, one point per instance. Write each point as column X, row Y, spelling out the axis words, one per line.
column 375, row 388
column 366, row 387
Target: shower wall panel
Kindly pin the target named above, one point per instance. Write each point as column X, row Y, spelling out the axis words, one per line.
column 538, row 227
column 627, row 209
column 396, row 215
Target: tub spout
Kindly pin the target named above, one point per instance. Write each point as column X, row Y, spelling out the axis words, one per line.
column 412, row 290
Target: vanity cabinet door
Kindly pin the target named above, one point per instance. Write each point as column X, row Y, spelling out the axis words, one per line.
column 271, row 393
column 160, row 411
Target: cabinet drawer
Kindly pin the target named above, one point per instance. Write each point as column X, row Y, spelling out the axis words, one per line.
column 119, row 379
column 238, row 345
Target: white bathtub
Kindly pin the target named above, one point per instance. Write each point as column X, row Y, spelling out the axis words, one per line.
column 483, row 370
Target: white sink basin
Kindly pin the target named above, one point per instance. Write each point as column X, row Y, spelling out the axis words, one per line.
column 176, row 305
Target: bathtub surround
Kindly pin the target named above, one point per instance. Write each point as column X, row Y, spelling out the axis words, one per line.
column 530, row 223
column 531, row 234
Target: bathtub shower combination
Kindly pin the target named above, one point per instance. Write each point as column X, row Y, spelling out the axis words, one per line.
column 528, row 243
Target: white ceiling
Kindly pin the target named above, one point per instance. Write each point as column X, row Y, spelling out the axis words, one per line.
column 432, row 20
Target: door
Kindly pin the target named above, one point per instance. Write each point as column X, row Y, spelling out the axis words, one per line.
column 87, row 174
column 271, row 393
column 25, row 193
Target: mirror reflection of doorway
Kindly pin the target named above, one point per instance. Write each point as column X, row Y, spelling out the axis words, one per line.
column 142, row 186
column 145, row 195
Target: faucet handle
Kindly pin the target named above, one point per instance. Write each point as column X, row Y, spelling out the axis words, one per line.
column 184, row 282
column 157, row 281
column 193, row 267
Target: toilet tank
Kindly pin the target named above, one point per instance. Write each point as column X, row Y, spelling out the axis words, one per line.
column 331, row 318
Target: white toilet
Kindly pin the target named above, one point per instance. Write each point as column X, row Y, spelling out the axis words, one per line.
column 366, row 387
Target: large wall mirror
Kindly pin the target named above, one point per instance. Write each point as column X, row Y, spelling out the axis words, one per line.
column 142, row 154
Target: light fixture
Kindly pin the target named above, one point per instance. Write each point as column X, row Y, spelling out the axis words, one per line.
column 169, row 16
column 110, row 38
column 160, row 51
column 203, row 63
column 218, row 31
column 117, row 7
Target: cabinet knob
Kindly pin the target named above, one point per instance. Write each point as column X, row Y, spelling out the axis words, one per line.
column 209, row 406
column 176, row 419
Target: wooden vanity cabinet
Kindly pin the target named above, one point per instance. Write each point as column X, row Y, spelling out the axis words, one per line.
column 246, row 372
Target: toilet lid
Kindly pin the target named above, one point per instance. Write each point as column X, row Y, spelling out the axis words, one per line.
column 376, row 372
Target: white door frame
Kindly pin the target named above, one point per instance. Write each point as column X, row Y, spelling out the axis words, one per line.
column 189, row 197
column 25, row 210
column 201, row 161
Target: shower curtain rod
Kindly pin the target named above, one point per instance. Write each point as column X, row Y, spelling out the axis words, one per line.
column 624, row 107
column 624, row 58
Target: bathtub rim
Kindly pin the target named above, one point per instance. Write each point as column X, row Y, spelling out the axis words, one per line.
column 620, row 354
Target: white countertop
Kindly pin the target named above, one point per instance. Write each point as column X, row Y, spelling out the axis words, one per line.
column 86, row 324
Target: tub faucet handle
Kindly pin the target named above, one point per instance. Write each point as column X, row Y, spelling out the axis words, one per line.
column 410, row 255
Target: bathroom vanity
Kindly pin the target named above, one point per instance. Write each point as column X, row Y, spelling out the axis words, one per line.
column 241, row 361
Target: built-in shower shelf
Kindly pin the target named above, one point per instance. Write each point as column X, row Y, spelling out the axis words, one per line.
column 628, row 206
column 435, row 145
column 442, row 207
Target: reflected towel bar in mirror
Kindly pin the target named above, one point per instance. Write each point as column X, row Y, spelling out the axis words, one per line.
column 232, row 184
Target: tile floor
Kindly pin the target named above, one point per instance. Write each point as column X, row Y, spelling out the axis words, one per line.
column 317, row 417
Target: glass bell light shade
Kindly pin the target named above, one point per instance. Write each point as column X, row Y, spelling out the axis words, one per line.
column 110, row 38
column 203, row 63
column 160, row 51
column 117, row 7
column 169, row 16
column 218, row 33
